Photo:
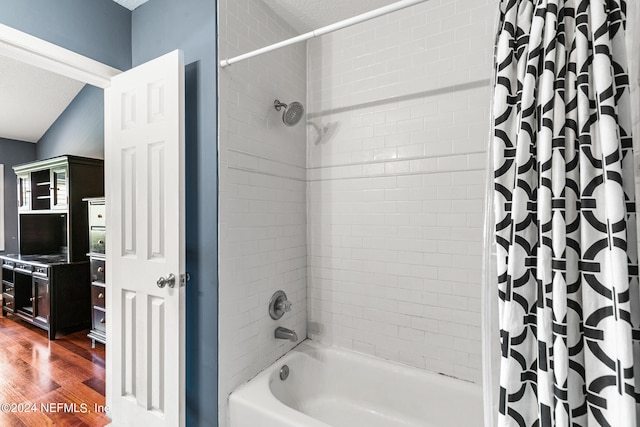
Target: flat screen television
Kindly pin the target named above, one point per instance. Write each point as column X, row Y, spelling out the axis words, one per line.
column 43, row 234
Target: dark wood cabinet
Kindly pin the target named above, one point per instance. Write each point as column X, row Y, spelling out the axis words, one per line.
column 52, row 217
column 47, row 284
column 97, row 245
column 8, row 288
column 23, row 287
column 49, row 293
column 41, row 300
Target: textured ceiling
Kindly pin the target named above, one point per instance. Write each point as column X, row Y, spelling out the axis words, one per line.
column 31, row 99
column 130, row 4
column 307, row 15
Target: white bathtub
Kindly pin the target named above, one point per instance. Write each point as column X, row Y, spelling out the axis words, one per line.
column 339, row 388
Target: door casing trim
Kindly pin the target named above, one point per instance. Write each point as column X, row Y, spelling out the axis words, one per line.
column 31, row 50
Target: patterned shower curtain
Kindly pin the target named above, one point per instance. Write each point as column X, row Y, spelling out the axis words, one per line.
column 565, row 216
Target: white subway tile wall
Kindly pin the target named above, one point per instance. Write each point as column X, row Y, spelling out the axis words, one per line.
column 262, row 223
column 396, row 156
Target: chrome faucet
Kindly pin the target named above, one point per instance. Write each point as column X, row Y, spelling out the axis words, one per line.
column 285, row 334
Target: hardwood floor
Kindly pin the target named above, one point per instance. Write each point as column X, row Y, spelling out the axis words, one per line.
column 49, row 383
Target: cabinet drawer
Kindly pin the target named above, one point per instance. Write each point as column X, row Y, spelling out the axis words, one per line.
column 99, row 320
column 96, row 240
column 8, row 289
column 7, row 274
column 98, row 295
column 24, row 268
column 97, row 270
column 41, row 271
column 8, row 303
column 96, row 215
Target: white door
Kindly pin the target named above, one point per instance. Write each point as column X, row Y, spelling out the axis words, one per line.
column 144, row 175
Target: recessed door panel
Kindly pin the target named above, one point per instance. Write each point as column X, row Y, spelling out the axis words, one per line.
column 129, row 344
column 156, row 193
column 156, row 360
column 129, row 202
column 129, row 113
column 156, row 101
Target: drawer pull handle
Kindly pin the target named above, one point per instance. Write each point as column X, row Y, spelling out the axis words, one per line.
column 9, row 303
column 102, row 320
column 100, row 269
column 101, row 242
column 99, row 215
column 100, row 295
column 31, row 299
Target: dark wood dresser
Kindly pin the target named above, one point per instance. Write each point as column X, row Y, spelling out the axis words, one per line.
column 97, row 242
column 46, row 291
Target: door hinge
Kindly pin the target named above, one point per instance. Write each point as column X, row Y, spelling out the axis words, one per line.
column 184, row 278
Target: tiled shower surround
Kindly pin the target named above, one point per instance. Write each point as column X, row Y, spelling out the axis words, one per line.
column 262, row 224
column 396, row 184
column 369, row 215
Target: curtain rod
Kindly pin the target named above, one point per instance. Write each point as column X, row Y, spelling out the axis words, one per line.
column 324, row 30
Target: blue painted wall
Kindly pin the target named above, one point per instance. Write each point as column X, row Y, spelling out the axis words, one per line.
column 158, row 27
column 99, row 29
column 79, row 130
column 13, row 153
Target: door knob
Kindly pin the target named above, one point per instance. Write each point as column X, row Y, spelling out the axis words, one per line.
column 170, row 281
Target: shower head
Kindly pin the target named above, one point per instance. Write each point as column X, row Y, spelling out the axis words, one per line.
column 292, row 113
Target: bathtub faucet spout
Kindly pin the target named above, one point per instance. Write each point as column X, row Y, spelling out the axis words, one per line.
column 285, row 334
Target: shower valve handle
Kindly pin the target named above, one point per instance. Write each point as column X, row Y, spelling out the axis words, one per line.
column 279, row 305
column 285, row 306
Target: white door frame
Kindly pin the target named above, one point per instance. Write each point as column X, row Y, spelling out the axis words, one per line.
column 40, row 53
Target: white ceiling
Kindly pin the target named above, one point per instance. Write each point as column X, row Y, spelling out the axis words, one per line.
column 131, row 4
column 307, row 15
column 31, row 99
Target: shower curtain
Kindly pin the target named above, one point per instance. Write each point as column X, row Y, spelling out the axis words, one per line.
column 565, row 216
